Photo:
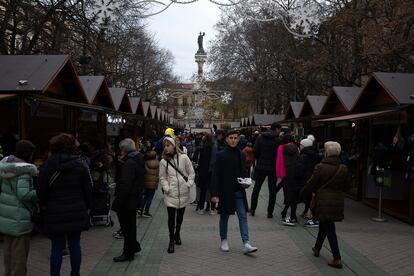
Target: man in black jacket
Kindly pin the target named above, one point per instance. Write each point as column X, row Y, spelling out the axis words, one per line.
column 128, row 192
column 228, row 193
column 265, row 151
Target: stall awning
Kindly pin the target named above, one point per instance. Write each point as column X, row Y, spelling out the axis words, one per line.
column 7, row 96
column 360, row 116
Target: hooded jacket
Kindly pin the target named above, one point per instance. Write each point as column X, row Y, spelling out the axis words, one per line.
column 17, row 196
column 66, row 200
column 176, row 189
column 265, row 151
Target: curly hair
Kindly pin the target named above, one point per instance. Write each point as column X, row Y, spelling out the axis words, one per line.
column 63, row 143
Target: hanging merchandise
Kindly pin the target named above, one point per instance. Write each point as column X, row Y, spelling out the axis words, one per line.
column 398, row 141
column 387, row 178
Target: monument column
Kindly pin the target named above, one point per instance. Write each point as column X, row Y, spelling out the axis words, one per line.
column 200, row 57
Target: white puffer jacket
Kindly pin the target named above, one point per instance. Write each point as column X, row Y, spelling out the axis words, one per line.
column 176, row 189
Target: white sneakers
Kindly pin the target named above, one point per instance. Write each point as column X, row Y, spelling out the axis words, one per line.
column 224, row 246
column 247, row 248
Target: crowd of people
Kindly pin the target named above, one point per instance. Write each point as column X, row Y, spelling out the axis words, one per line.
column 200, row 169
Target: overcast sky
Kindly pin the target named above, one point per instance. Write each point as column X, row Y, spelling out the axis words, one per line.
column 177, row 29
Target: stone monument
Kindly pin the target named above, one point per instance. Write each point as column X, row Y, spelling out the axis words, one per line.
column 200, row 57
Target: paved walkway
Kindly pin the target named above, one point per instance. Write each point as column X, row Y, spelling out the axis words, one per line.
column 367, row 248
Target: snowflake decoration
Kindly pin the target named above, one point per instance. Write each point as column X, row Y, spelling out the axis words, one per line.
column 216, row 114
column 104, row 11
column 181, row 113
column 226, row 98
column 163, row 95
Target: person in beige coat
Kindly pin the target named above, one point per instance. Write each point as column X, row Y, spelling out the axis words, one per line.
column 151, row 179
column 176, row 178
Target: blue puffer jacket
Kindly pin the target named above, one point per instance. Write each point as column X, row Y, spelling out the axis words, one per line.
column 17, row 195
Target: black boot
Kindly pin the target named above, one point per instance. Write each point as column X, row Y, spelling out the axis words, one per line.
column 177, row 238
column 171, row 247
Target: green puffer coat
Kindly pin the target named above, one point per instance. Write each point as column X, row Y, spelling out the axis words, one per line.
column 17, row 194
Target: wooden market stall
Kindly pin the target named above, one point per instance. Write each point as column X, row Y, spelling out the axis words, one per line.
column 384, row 116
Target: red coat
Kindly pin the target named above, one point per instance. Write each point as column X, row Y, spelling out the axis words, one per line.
column 248, row 152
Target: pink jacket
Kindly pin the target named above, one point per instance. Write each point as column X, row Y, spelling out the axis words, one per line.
column 280, row 163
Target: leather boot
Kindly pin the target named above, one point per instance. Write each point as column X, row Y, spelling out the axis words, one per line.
column 315, row 252
column 171, row 246
column 177, row 238
column 335, row 263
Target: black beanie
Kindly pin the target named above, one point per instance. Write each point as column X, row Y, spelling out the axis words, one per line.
column 24, row 150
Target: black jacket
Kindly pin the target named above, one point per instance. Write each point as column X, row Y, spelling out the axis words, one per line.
column 129, row 182
column 204, row 170
column 66, row 200
column 265, row 151
column 307, row 161
column 230, row 164
column 291, row 187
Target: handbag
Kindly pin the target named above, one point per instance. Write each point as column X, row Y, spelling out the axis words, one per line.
column 37, row 211
column 313, row 202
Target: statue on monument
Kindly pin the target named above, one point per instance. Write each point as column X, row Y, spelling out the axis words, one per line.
column 200, row 42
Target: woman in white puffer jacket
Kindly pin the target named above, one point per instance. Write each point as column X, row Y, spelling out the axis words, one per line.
column 176, row 178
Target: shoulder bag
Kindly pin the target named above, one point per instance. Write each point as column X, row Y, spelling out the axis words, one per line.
column 312, row 204
column 37, row 211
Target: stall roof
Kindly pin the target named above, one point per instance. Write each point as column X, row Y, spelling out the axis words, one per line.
column 134, row 103
column 91, row 85
column 360, row 116
column 266, row 119
column 145, row 108
column 386, row 89
column 293, row 111
column 120, row 99
column 54, row 75
column 341, row 99
column 159, row 114
column 312, row 106
column 234, row 124
column 153, row 110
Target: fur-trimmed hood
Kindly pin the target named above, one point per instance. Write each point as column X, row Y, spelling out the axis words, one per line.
column 12, row 166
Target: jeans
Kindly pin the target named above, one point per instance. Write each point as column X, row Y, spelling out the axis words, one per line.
column 271, row 182
column 241, row 214
column 148, row 197
column 58, row 244
column 327, row 229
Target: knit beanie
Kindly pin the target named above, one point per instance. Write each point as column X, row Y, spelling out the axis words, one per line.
column 169, row 139
column 306, row 142
column 311, row 137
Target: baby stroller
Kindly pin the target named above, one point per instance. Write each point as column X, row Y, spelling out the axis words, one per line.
column 100, row 209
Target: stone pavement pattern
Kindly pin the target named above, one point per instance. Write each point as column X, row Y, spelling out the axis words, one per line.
column 367, row 248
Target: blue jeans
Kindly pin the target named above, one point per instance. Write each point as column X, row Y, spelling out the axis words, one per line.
column 148, row 197
column 58, row 244
column 241, row 214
